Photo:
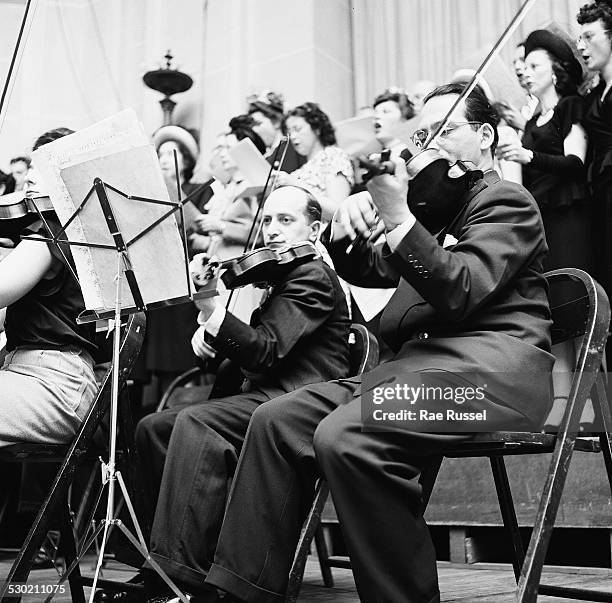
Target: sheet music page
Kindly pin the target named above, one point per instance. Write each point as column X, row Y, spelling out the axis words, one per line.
column 113, row 136
column 356, row 136
column 157, row 257
column 252, row 165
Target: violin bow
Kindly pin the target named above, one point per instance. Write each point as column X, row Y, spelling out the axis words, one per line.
column 507, row 33
column 486, row 63
column 8, row 84
column 276, row 171
column 256, row 224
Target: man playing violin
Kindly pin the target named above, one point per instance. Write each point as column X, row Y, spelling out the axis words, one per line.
column 470, row 299
column 299, row 335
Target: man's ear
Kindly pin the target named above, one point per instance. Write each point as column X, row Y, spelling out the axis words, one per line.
column 315, row 231
column 487, row 135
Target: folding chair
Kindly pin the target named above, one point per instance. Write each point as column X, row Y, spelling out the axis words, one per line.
column 586, row 316
column 56, row 504
column 363, row 357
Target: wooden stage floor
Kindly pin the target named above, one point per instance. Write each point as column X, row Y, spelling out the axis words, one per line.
column 478, row 583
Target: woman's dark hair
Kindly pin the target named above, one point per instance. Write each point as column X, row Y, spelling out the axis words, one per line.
column 317, row 119
column 597, row 11
column 477, row 106
column 241, row 127
column 50, row 136
column 400, row 98
column 272, row 114
column 565, row 84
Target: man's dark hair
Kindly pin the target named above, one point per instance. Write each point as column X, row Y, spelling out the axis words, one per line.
column 400, row 98
column 50, row 136
column 597, row 11
column 241, row 127
column 317, row 119
column 477, row 106
column 22, row 158
column 313, row 209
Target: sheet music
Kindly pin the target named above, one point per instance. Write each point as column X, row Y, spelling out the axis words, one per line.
column 252, row 165
column 356, row 136
column 118, row 151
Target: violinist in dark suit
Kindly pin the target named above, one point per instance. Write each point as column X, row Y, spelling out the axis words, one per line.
column 470, row 300
column 298, row 336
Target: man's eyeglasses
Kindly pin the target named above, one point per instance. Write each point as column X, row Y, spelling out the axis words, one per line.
column 421, row 136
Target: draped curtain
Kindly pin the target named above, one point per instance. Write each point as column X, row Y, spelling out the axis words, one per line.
column 399, row 42
column 84, row 59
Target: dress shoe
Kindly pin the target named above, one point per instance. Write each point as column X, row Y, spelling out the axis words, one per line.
column 129, row 595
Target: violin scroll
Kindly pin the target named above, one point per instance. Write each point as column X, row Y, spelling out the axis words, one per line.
column 377, row 165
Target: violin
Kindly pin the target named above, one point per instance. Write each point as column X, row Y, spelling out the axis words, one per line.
column 18, row 211
column 264, row 265
column 437, row 189
column 18, row 205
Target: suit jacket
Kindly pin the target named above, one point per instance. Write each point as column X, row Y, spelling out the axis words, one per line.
column 479, row 306
column 298, row 336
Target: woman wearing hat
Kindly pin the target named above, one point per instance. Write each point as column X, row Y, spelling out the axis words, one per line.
column 176, row 138
column 553, row 149
column 267, row 111
column 595, row 44
column 552, row 155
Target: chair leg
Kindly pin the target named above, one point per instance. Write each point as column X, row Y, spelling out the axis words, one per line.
column 506, row 506
column 68, row 549
column 87, row 498
column 531, row 572
column 323, row 556
column 308, row 533
column 428, row 479
column 22, row 565
column 132, row 464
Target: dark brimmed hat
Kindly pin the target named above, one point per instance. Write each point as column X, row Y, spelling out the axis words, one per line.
column 176, row 134
column 559, row 48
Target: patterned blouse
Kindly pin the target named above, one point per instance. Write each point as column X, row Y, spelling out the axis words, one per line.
column 328, row 162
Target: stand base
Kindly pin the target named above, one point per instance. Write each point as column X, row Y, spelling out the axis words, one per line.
column 138, row 543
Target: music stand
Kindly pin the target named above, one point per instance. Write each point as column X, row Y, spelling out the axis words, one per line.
column 110, row 475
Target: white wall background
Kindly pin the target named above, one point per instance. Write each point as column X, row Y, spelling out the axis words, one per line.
column 84, row 59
